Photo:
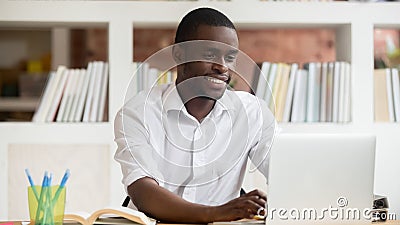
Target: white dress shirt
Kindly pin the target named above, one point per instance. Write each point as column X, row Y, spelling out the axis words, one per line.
column 203, row 162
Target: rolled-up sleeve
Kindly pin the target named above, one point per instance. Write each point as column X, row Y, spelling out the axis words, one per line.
column 134, row 152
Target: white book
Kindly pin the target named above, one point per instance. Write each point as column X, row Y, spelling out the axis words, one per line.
column 40, row 113
column 335, row 94
column 55, row 102
column 270, row 84
column 96, row 92
column 389, row 94
column 329, row 92
column 42, row 117
column 347, row 93
column 317, row 93
column 64, row 98
column 396, row 94
column 342, row 87
column 300, row 97
column 90, row 93
column 70, row 95
column 75, row 97
column 313, row 91
column 290, row 91
column 103, row 93
column 262, row 79
column 83, row 93
column 324, row 81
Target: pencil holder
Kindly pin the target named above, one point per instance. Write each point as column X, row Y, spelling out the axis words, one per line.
column 46, row 205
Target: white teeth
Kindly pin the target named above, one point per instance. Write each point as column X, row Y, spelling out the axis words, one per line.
column 214, row 80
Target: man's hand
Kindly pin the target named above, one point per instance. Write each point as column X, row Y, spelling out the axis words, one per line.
column 164, row 205
column 246, row 206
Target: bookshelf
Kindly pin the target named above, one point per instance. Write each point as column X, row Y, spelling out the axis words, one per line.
column 353, row 23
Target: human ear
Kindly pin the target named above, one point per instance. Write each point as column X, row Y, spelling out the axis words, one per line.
column 177, row 54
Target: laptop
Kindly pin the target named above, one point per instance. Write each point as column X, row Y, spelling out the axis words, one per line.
column 321, row 179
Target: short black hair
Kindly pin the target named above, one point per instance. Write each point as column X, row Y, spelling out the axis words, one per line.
column 200, row 16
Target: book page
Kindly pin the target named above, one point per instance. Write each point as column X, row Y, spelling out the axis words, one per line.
column 130, row 214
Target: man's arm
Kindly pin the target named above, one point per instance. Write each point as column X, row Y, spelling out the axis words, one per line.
column 164, row 205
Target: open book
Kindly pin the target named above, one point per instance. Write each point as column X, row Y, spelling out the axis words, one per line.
column 111, row 215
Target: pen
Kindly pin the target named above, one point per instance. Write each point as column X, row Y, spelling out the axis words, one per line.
column 49, row 202
column 40, row 202
column 46, row 201
column 62, row 184
column 32, row 184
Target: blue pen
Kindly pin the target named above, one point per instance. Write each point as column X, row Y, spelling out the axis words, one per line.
column 65, row 178
column 32, row 184
column 46, row 200
column 62, row 185
column 40, row 202
column 48, row 216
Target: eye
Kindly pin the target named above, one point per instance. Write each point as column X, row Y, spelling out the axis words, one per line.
column 230, row 58
column 209, row 55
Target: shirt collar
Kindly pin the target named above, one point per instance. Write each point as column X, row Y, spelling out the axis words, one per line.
column 171, row 100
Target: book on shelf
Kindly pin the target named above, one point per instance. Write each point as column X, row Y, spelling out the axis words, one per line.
column 111, row 215
column 335, row 94
column 329, row 92
column 275, row 87
column 396, row 93
column 320, row 92
column 62, row 75
column 282, row 92
column 90, row 92
column 144, row 77
column 381, row 106
column 83, row 93
column 324, row 92
column 347, row 94
column 66, row 95
column 389, row 91
column 270, row 84
column 313, row 91
column 300, row 97
column 386, row 95
column 46, row 99
column 103, row 94
column 96, row 92
column 74, row 95
column 290, row 91
column 262, row 80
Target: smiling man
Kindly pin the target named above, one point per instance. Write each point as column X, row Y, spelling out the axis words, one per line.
column 184, row 147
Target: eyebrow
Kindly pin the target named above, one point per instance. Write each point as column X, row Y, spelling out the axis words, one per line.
column 232, row 51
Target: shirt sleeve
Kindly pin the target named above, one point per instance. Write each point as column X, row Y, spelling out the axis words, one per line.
column 134, row 153
column 260, row 152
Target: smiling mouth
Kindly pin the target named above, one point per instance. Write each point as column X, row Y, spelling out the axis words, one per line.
column 215, row 80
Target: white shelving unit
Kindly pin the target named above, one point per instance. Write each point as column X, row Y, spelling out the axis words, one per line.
column 27, row 104
column 353, row 22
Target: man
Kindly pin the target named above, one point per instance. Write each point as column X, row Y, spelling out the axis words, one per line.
column 183, row 147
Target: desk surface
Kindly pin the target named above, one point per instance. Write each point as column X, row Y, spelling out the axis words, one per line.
column 389, row 222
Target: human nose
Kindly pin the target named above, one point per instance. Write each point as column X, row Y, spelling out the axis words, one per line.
column 220, row 66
